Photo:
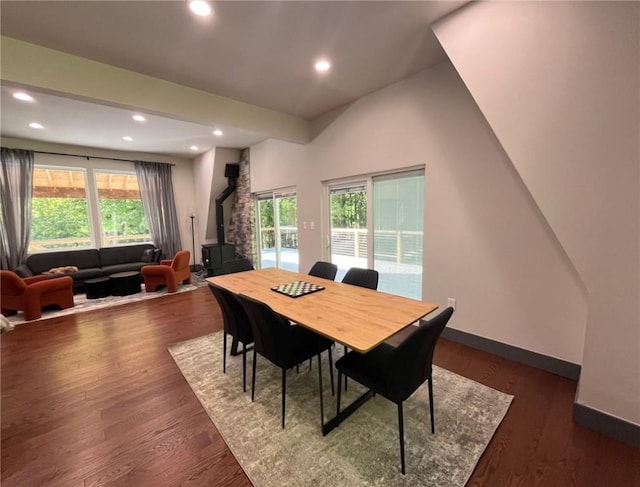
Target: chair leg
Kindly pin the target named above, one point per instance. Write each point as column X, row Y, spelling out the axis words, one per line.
column 253, row 375
column 333, row 392
column 244, row 367
column 433, row 421
column 224, row 353
column 401, row 432
column 284, row 392
column 345, row 377
column 339, row 391
column 234, row 346
column 320, row 387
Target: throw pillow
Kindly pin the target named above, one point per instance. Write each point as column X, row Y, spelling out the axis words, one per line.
column 68, row 269
column 156, row 255
column 23, row 271
column 147, row 256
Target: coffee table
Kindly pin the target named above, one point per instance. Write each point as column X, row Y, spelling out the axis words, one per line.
column 98, row 287
column 125, row 283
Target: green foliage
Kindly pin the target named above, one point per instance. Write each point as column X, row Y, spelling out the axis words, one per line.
column 349, row 210
column 288, row 217
column 122, row 217
column 287, row 210
column 266, row 213
column 59, row 218
column 55, row 218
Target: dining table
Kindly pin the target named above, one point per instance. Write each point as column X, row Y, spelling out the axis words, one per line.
column 357, row 317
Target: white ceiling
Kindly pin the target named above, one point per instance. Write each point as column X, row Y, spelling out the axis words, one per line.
column 260, row 53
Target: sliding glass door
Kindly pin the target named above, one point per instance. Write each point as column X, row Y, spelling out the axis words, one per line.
column 377, row 223
column 278, row 230
column 398, row 217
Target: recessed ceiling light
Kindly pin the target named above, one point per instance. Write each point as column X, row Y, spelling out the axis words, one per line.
column 127, row 138
column 22, row 96
column 200, row 7
column 36, row 125
column 217, row 132
column 139, row 118
column 194, row 147
column 322, row 65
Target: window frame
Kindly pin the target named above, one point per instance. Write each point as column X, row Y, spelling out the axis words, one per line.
column 92, row 198
column 365, row 181
column 100, row 226
column 90, row 216
column 273, row 196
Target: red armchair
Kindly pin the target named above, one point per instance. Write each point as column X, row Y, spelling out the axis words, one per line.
column 169, row 273
column 31, row 294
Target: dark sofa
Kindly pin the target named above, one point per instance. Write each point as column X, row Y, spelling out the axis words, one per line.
column 92, row 262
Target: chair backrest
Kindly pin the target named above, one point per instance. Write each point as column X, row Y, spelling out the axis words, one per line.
column 326, row 270
column 181, row 260
column 234, row 317
column 238, row 265
column 11, row 284
column 361, row 277
column 272, row 336
column 411, row 362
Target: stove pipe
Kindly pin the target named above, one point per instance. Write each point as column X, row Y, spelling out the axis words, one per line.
column 231, row 172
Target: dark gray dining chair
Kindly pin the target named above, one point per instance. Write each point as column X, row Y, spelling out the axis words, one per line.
column 231, row 267
column 361, row 277
column 238, row 265
column 235, row 323
column 396, row 372
column 283, row 344
column 325, row 270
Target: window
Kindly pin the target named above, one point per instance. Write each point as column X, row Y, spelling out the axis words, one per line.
column 278, row 230
column 122, row 218
column 59, row 210
column 65, row 215
column 377, row 223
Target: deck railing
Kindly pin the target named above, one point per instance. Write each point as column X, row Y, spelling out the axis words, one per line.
column 85, row 242
column 404, row 247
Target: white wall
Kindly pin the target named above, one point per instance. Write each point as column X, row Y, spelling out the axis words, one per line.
column 182, row 174
column 559, row 83
column 203, row 167
column 486, row 243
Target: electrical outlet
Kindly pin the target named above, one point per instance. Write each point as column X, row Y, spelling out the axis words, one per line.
column 451, row 303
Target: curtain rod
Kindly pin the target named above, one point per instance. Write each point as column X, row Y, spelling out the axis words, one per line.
column 90, row 157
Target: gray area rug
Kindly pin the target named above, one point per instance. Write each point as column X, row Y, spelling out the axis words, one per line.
column 82, row 304
column 364, row 449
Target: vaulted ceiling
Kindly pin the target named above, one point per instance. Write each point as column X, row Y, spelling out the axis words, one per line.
column 255, row 58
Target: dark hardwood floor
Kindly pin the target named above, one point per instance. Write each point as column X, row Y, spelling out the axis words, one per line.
column 96, row 399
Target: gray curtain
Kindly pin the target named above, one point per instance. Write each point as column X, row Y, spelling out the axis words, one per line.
column 16, row 192
column 241, row 230
column 156, row 192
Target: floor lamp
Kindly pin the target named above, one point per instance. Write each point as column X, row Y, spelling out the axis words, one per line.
column 192, row 215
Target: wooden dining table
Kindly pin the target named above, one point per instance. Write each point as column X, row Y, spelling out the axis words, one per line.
column 357, row 317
